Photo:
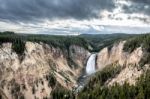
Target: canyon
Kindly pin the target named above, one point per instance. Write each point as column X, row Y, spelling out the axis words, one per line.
column 29, row 77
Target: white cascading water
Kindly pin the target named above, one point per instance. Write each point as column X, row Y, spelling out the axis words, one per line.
column 90, row 67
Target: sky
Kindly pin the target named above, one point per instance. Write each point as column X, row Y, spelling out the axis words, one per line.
column 73, row 17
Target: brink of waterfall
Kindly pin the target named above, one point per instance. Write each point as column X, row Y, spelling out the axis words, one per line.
column 90, row 67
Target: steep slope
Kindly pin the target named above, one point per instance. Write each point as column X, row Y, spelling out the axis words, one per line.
column 117, row 54
column 43, row 68
column 130, row 61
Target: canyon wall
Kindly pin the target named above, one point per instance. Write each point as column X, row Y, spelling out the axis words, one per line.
column 30, row 77
column 129, row 62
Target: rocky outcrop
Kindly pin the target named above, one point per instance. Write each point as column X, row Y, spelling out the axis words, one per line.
column 116, row 54
column 130, row 61
column 79, row 55
column 128, row 74
column 29, row 78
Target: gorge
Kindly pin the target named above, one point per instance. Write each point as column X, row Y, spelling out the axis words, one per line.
column 48, row 71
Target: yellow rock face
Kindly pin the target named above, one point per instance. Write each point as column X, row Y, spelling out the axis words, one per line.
column 39, row 61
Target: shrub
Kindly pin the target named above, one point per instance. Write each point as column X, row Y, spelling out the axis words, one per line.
column 61, row 93
column 51, row 81
column 18, row 46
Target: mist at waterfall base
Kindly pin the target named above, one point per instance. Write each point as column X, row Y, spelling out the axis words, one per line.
column 90, row 67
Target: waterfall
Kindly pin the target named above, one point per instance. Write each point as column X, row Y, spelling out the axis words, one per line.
column 90, row 67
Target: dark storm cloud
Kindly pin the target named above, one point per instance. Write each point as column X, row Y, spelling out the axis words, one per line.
column 141, row 1
column 144, row 19
column 35, row 10
column 138, row 6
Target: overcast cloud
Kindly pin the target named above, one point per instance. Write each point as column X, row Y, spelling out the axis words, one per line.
column 33, row 10
column 73, row 16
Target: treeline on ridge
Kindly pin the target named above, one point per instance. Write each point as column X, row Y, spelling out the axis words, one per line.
column 63, row 42
column 143, row 41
